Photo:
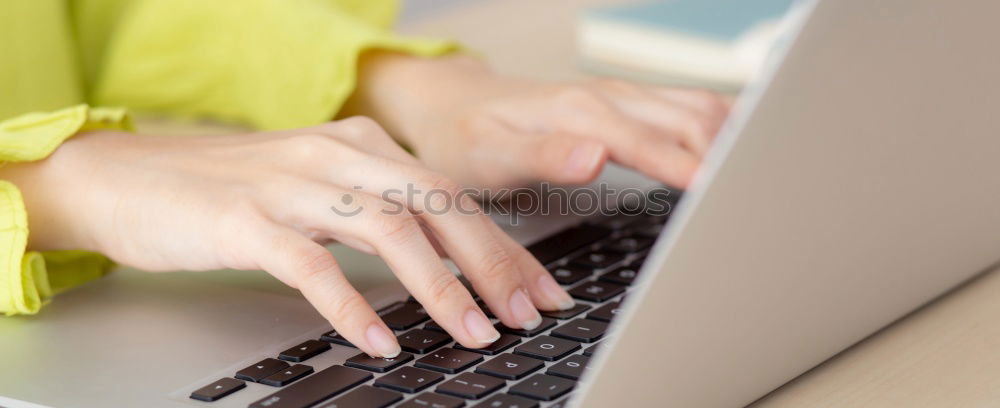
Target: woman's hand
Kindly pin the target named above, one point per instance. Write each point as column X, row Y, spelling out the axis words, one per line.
column 267, row 201
column 487, row 130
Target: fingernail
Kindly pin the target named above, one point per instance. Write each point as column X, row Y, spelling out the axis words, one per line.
column 381, row 339
column 584, row 158
column 524, row 311
column 553, row 291
column 479, row 327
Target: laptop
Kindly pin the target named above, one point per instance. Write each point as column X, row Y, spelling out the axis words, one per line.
column 855, row 181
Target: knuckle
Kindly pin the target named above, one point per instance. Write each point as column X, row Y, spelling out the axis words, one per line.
column 440, row 192
column 313, row 263
column 702, row 126
column 496, row 265
column 444, row 286
column 359, row 126
column 714, row 103
column 394, row 229
column 343, row 307
column 444, row 184
column 581, row 97
column 307, row 146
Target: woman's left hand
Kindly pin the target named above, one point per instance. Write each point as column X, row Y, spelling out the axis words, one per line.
column 486, row 130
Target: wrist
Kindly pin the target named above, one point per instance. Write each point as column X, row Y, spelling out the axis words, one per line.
column 56, row 197
column 403, row 92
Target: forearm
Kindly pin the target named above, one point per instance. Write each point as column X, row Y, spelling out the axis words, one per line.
column 401, row 91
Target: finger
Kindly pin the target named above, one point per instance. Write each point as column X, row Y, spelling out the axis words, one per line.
column 544, row 290
column 708, row 103
column 401, row 242
column 310, row 268
column 631, row 143
column 691, row 128
column 462, row 230
column 690, row 116
column 398, row 238
column 522, row 157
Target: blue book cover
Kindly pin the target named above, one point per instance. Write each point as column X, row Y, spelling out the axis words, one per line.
column 719, row 20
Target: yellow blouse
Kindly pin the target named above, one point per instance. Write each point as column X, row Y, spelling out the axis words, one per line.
column 267, row 63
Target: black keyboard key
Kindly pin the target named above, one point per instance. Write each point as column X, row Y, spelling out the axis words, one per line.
column 315, row 388
column 618, row 221
column 404, row 316
column 507, row 401
column 542, row 387
column 409, row 379
column 623, row 276
column 432, row 325
column 547, row 348
column 421, row 341
column 505, row 341
column 570, row 274
column 597, row 291
column 304, row 351
column 431, row 400
column 546, row 324
column 597, row 259
column 262, row 369
column 561, row 244
column 589, row 351
column 285, row 377
column 333, row 337
column 218, row 389
column 378, row 365
column 509, row 366
column 366, row 396
column 471, row 385
column 449, row 360
column 582, row 330
column 628, row 245
column 566, row 314
column 571, row 367
column 605, row 313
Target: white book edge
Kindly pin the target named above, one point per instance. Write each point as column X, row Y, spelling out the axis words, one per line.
column 675, row 54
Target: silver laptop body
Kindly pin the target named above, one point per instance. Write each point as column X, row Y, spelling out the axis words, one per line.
column 857, row 180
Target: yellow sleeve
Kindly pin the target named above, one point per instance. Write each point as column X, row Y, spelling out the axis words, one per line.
column 268, row 63
column 29, row 279
column 38, row 64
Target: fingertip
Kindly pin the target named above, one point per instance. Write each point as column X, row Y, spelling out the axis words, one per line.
column 584, row 161
column 554, row 297
column 523, row 310
column 479, row 328
column 381, row 340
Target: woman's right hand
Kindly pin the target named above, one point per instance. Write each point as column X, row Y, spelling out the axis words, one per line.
column 268, row 200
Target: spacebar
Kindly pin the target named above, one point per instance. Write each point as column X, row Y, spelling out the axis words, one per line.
column 561, row 244
column 314, row 388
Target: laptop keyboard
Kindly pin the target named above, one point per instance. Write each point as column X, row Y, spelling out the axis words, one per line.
column 596, row 262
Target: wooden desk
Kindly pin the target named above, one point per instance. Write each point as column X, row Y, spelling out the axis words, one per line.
column 946, row 354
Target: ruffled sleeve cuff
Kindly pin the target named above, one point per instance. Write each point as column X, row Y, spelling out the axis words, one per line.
column 28, row 280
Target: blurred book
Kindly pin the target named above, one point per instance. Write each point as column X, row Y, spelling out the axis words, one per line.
column 720, row 44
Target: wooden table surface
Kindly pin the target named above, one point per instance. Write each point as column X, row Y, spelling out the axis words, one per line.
column 944, row 355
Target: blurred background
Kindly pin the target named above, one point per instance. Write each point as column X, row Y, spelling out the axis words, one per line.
column 719, row 44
